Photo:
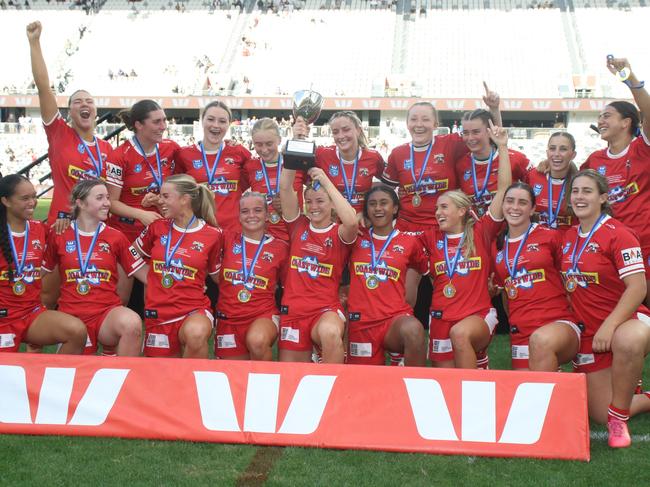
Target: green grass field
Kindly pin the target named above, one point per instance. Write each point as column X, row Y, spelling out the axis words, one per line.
column 31, row 460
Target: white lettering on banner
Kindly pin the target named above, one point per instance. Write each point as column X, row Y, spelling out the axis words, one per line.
column 127, row 102
column 399, row 103
column 54, row 396
column 523, row 425
column 455, row 104
column 262, row 397
column 541, row 104
column 24, row 101
column 180, row 102
column 286, row 102
column 513, row 104
column 343, row 103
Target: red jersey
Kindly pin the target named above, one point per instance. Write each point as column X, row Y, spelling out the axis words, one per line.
column 628, row 176
column 258, row 299
column 197, row 255
column 111, row 248
column 438, row 177
column 317, row 257
column 70, row 162
column 470, row 293
column 228, row 182
column 370, row 164
column 540, row 297
column 21, row 295
column 612, row 254
column 519, row 164
column 132, row 172
column 540, row 184
column 255, row 175
column 381, row 293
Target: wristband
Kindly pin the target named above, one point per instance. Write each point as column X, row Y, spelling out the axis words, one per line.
column 637, row 87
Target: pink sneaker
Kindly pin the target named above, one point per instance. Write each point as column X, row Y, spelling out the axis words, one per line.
column 619, row 437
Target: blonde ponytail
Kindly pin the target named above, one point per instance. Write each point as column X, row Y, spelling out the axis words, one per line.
column 201, row 197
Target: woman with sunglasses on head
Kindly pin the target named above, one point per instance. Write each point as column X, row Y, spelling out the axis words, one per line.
column 23, row 242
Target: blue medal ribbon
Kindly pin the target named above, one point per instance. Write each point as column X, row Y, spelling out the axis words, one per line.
column 272, row 192
column 19, row 263
column 418, row 181
column 349, row 187
column 375, row 259
column 248, row 272
column 98, row 163
column 157, row 176
column 83, row 264
column 451, row 265
column 478, row 194
column 168, row 255
column 553, row 214
column 210, row 171
column 513, row 270
column 576, row 258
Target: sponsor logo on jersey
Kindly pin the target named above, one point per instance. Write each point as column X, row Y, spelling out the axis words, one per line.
column 222, row 186
column 236, row 277
column 463, row 267
column 176, row 269
column 632, row 256
column 525, row 278
column 78, row 173
column 93, row 275
column 382, row 271
column 428, row 186
column 29, row 275
column 140, row 190
column 311, row 266
column 113, row 171
column 618, row 194
column 584, row 278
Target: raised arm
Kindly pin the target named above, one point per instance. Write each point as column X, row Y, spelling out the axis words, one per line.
column 637, row 88
column 492, row 100
column 46, row 98
column 499, row 136
column 288, row 197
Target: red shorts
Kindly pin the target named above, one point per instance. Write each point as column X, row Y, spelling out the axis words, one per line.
column 440, row 348
column 230, row 335
column 366, row 341
column 13, row 330
column 295, row 332
column 519, row 342
column 161, row 339
column 93, row 325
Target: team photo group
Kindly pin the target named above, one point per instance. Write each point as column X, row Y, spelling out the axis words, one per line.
column 154, row 249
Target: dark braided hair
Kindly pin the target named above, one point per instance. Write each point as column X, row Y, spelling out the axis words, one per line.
column 8, row 186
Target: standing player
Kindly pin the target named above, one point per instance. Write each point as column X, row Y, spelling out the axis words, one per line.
column 550, row 181
column 604, row 275
column 88, row 255
column 217, row 164
column 543, row 330
column 138, row 167
column 380, row 319
column 74, row 151
column 462, row 320
column 476, row 171
column 264, row 172
column 625, row 161
column 253, row 261
column 319, row 248
column 181, row 250
column 23, row 242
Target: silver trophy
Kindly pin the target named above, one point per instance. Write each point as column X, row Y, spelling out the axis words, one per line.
column 299, row 153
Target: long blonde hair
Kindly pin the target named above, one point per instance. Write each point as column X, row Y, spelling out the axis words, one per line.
column 266, row 124
column 202, row 198
column 461, row 200
column 362, row 140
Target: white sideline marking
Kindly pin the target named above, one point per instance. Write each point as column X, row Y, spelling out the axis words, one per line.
column 602, row 436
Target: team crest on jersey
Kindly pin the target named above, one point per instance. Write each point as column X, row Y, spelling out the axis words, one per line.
column 81, row 149
column 229, row 160
column 197, row 163
column 197, row 246
column 163, row 239
column 328, row 242
column 398, row 249
column 602, row 170
column 467, row 175
column 532, row 247
column 365, row 244
column 36, row 244
column 566, row 248
column 592, row 247
column 137, row 168
column 304, row 235
column 537, row 189
column 104, row 247
column 499, row 257
column 267, row 256
column 440, row 244
column 440, row 158
column 408, row 164
column 364, row 172
column 70, row 246
column 236, row 249
column 259, row 175
column 333, row 170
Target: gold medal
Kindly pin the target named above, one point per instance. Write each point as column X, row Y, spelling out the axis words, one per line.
column 571, row 284
column 244, row 296
column 167, row 281
column 19, row 288
column 83, row 287
column 372, row 282
column 274, row 218
column 512, row 291
column 449, row 290
column 417, row 200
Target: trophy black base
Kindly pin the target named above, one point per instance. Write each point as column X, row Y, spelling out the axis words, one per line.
column 299, row 155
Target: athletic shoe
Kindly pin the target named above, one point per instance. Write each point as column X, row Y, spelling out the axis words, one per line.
column 619, row 437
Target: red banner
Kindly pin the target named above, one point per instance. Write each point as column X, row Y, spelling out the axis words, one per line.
column 468, row 412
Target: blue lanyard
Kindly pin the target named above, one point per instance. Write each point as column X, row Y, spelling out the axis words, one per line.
column 418, row 181
column 83, row 264
column 248, row 272
column 575, row 259
column 19, row 263
column 268, row 181
column 157, row 176
column 513, row 270
column 451, row 265
column 374, row 260
column 210, row 171
column 98, row 164
column 168, row 255
column 349, row 187
column 553, row 214
column 479, row 193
